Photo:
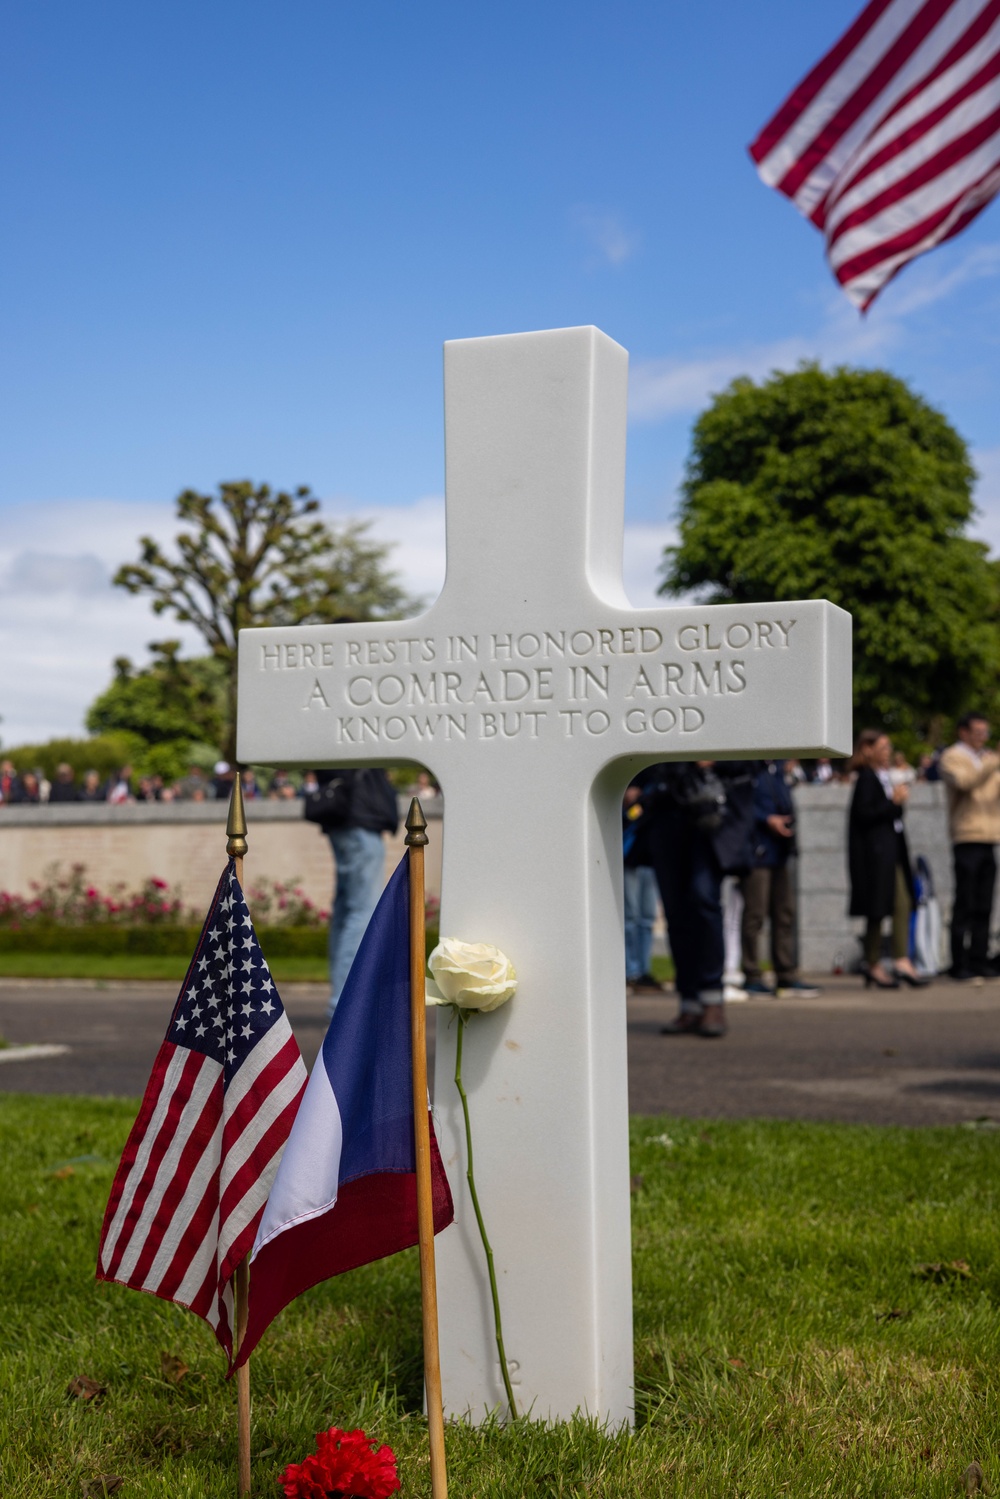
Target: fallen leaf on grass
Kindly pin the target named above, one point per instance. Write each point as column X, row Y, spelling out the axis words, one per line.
column 895, row 1314
column 972, row 1478
column 953, row 1270
column 82, row 1387
column 636, row 1184
column 98, row 1488
column 172, row 1368
column 737, row 1363
column 63, row 1172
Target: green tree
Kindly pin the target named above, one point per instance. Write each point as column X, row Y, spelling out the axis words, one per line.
column 105, row 754
column 170, row 699
column 846, row 485
column 253, row 557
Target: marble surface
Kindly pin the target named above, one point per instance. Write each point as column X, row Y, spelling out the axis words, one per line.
column 534, row 692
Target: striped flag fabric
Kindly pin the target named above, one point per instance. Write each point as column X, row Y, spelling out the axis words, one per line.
column 891, row 145
column 345, row 1192
column 200, row 1159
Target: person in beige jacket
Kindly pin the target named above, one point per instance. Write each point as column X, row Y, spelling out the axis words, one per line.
column 971, row 773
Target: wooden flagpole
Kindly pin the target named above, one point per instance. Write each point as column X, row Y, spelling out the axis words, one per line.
column 236, row 847
column 416, row 840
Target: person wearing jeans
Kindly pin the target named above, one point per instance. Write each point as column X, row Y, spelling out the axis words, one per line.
column 359, row 856
column 971, row 773
column 640, row 894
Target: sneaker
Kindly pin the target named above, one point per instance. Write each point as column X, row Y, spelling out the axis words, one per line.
column 758, row 986
column 796, row 989
column 733, row 994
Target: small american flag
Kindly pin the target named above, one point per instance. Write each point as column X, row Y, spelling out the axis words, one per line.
column 891, row 144
column 204, row 1150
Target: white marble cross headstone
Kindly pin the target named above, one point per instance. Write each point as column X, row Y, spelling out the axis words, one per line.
column 534, row 692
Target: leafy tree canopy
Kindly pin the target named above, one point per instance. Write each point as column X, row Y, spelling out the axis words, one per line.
column 106, row 754
column 846, row 485
column 168, row 700
column 249, row 556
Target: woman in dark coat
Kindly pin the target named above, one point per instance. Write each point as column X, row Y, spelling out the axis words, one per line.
column 879, row 862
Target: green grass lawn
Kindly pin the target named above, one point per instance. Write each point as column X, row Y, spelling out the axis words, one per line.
column 104, row 966
column 783, row 1343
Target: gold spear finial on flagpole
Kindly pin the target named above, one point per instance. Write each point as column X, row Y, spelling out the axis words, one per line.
column 236, row 847
column 416, row 840
column 236, row 826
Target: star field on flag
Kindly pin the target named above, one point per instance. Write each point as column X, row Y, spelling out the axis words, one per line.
column 199, row 1162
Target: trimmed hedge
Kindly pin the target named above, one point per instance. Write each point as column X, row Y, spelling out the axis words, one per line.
column 165, row 941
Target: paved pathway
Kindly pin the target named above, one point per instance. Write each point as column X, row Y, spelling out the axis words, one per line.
column 926, row 1057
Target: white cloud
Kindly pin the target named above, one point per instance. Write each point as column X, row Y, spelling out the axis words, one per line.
column 62, row 623
column 416, row 533
column 986, row 526
column 927, row 281
column 660, row 388
column 50, row 572
column 643, row 554
column 607, row 233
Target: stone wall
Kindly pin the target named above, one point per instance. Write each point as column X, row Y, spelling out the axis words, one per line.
column 827, row 936
column 183, row 843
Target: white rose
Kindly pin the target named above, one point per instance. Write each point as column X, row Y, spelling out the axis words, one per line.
column 472, row 975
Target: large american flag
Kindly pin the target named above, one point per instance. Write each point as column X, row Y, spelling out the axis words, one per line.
column 204, row 1150
column 891, row 144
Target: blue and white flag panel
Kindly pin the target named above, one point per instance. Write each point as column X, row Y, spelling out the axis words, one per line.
column 345, row 1192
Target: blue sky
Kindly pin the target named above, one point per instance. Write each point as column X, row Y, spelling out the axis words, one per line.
column 236, row 236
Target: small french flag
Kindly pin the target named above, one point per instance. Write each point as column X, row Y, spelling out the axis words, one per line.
column 345, row 1192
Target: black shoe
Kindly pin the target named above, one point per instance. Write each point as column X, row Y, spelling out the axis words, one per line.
column 913, row 980
column 646, row 984
column 960, row 975
column 713, row 1021
column 871, row 977
column 686, row 1023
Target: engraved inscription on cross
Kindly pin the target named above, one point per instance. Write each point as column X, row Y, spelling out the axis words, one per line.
column 534, row 692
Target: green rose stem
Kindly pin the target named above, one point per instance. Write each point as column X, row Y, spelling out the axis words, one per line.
column 463, row 1020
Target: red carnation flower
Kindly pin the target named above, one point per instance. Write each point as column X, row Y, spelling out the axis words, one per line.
column 346, row 1465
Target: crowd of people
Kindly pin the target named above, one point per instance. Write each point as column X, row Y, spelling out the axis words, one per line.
column 33, row 787
column 686, row 827
column 689, row 825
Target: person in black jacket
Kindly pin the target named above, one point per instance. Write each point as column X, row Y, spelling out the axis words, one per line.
column 64, row 787
column 879, row 862
column 700, row 818
column 768, row 888
column 366, row 810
